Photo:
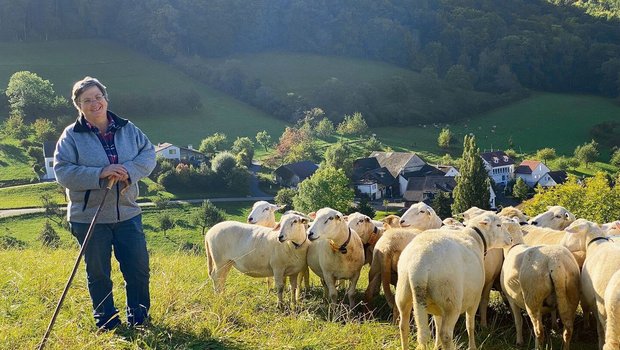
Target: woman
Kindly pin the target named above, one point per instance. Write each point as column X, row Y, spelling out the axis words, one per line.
column 98, row 147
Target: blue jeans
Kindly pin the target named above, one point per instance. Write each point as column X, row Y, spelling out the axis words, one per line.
column 127, row 238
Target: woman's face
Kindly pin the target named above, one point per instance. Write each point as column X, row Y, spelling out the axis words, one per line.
column 93, row 104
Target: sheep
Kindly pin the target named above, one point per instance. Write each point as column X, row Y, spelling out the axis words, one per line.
column 390, row 221
column 452, row 222
column 612, row 309
column 472, row 213
column 367, row 231
column 611, row 229
column 263, row 214
column 336, row 252
column 493, row 264
column 387, row 251
column 258, row 251
column 441, row 272
column 540, row 279
column 601, row 263
column 421, row 216
column 556, row 217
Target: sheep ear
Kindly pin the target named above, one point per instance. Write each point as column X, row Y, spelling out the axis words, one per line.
column 617, row 225
column 280, row 207
column 312, row 215
column 277, row 228
column 484, row 221
column 548, row 207
column 304, row 221
column 345, row 218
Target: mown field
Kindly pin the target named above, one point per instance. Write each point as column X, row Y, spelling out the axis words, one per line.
column 186, row 312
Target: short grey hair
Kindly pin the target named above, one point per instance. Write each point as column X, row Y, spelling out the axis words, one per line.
column 81, row 85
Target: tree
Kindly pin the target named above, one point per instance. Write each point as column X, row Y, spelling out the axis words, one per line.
column 48, row 236
column 587, row 153
column 14, row 127
column 520, row 190
column 207, row 216
column 284, row 197
column 30, row 95
column 365, row 208
column 546, row 154
column 373, row 144
column 445, row 136
column 165, row 222
column 472, row 185
column 458, row 76
column 325, row 128
column 44, row 130
column 615, row 158
column 210, row 145
column 353, row 125
column 339, row 156
column 51, row 208
column 263, row 139
column 243, row 148
column 327, row 187
column 441, row 204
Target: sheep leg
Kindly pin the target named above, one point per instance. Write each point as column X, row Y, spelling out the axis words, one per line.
column 484, row 304
column 351, row 289
column 219, row 275
column 278, row 278
column 516, row 313
column 612, row 335
column 330, row 282
column 294, row 288
column 386, row 278
column 420, row 314
column 404, row 303
column 437, row 319
column 539, row 330
column 567, row 315
column 470, row 323
column 374, row 279
column 447, row 328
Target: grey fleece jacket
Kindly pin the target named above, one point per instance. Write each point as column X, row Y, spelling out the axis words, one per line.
column 79, row 158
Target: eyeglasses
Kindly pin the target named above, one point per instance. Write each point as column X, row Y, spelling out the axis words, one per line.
column 88, row 101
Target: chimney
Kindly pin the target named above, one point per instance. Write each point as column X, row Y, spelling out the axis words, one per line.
column 190, row 147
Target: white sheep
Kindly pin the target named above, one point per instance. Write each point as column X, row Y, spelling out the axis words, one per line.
column 441, row 272
column 452, row 222
column 386, row 253
column 337, row 253
column 556, row 217
column 258, row 251
column 263, row 214
column 540, row 279
column 612, row 309
column 493, row 263
column 420, row 216
column 472, row 213
column 368, row 232
column 601, row 263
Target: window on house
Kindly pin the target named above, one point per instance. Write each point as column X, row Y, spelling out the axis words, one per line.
column 172, row 151
column 505, row 158
column 495, row 160
column 50, row 164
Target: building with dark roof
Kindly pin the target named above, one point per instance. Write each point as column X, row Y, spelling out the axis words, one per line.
column 553, row 178
column 290, row 175
column 424, row 189
column 499, row 166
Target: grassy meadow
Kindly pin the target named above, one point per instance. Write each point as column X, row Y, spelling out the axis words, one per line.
column 124, row 71
column 186, row 312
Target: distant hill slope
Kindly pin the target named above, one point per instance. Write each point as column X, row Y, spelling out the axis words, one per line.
column 129, row 73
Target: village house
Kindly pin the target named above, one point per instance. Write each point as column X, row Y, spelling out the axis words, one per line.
column 48, row 156
column 290, row 175
column 531, row 171
column 186, row 154
column 499, row 166
column 372, row 180
column 553, row 178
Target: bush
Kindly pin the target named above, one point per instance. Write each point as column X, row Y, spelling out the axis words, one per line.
column 285, row 197
column 48, row 236
column 10, row 242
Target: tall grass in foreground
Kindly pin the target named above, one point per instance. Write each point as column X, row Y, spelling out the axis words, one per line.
column 188, row 315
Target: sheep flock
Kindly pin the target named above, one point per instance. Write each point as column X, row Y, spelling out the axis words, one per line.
column 551, row 264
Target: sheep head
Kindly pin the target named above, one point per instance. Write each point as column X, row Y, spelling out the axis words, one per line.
column 292, row 227
column 327, row 224
column 421, row 216
column 556, row 217
column 263, row 214
column 363, row 225
column 490, row 224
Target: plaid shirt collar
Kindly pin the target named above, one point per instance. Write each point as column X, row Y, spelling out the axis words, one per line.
column 112, row 127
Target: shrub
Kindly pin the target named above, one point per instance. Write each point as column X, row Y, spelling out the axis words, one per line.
column 10, row 242
column 48, row 236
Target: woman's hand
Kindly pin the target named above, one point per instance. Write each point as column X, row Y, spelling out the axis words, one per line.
column 117, row 171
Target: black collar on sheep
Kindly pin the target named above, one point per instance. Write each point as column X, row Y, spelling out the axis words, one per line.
column 484, row 241
column 600, row 238
column 343, row 247
column 297, row 246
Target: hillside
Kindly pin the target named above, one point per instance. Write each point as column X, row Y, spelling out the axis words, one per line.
column 129, row 74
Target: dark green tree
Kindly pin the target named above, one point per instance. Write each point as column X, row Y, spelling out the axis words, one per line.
column 165, row 222
column 263, row 139
column 340, row 156
column 472, row 185
column 520, row 190
column 327, row 187
column 365, row 208
column 285, row 197
column 30, row 95
column 207, row 216
column 48, row 236
column 441, row 204
column 587, row 153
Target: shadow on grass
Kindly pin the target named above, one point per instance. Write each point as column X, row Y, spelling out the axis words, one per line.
column 157, row 336
column 13, row 152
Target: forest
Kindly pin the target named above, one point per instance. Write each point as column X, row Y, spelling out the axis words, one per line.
column 499, row 47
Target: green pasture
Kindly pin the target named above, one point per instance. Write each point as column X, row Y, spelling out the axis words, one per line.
column 187, row 314
column 559, row 121
column 29, row 196
column 126, row 72
column 14, row 162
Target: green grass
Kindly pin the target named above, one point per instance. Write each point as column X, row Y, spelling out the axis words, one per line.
column 186, row 313
column 125, row 71
column 14, row 162
column 558, row 121
column 29, row 196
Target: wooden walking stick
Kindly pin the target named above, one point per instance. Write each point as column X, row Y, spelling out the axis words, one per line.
column 111, row 183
